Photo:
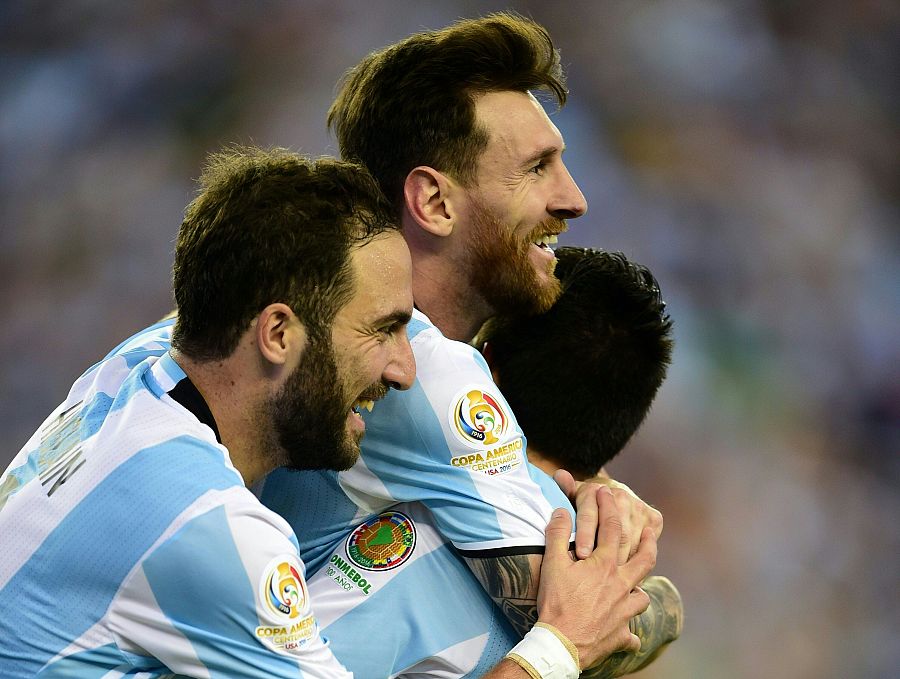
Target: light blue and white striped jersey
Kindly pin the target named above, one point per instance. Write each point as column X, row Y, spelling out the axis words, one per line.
column 394, row 599
column 450, row 442
column 132, row 547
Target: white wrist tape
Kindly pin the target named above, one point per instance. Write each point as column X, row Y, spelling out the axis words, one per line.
column 544, row 654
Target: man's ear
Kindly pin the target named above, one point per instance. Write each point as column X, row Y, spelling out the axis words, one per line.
column 430, row 199
column 279, row 334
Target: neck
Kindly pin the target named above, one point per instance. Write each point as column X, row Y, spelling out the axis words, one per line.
column 441, row 281
column 442, row 293
column 235, row 408
column 550, row 466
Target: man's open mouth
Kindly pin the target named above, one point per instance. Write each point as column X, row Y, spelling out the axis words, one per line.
column 545, row 241
column 361, row 403
column 367, row 399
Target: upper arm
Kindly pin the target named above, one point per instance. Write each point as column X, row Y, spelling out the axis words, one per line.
column 224, row 596
column 512, row 581
column 452, row 442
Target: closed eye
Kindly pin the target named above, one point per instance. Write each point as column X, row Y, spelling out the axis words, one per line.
column 539, row 168
column 397, row 324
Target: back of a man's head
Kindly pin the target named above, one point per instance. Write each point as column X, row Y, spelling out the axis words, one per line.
column 413, row 103
column 581, row 377
column 269, row 226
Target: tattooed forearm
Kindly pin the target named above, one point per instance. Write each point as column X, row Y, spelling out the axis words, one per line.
column 512, row 582
column 657, row 627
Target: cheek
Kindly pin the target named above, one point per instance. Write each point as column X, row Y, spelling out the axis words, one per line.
column 368, row 366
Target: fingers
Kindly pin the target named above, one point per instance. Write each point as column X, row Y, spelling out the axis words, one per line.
column 636, row 515
column 628, row 543
column 609, row 526
column 656, row 521
column 632, row 643
column 558, row 533
column 584, row 499
column 628, row 506
column 586, row 523
column 566, row 483
column 638, row 602
column 643, row 562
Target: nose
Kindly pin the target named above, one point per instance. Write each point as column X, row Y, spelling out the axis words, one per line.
column 568, row 202
column 400, row 372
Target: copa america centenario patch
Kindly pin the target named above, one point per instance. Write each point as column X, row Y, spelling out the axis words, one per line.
column 284, row 606
column 478, row 419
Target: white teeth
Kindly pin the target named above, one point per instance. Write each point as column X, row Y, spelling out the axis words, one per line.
column 368, row 405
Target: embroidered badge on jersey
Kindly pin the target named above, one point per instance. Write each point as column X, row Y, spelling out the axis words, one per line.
column 479, row 421
column 383, row 542
column 285, row 605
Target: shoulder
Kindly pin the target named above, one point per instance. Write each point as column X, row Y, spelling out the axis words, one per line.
column 437, row 355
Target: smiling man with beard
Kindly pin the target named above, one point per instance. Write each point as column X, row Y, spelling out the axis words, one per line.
column 448, row 124
column 131, row 542
column 128, row 512
column 316, row 415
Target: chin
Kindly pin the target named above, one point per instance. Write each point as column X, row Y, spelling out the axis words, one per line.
column 349, row 452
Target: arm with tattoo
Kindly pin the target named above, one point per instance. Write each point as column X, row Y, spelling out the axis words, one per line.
column 512, row 581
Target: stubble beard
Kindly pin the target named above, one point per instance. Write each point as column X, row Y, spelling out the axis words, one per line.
column 502, row 272
column 309, row 414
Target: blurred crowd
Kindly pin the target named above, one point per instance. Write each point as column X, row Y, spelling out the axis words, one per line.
column 747, row 151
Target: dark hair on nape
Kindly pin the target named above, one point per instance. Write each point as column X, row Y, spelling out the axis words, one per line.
column 413, row 103
column 581, row 377
column 269, row 225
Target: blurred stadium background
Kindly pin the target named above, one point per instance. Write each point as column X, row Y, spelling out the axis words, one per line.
column 745, row 150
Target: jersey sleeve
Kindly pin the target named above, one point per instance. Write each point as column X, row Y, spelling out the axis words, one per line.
column 452, row 442
column 225, row 595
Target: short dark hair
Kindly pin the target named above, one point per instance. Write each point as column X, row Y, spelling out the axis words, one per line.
column 269, row 226
column 413, row 103
column 581, row 377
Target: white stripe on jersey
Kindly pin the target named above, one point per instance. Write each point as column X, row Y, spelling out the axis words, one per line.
column 137, row 548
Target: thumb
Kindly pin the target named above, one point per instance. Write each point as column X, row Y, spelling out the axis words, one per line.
column 566, row 483
column 558, row 534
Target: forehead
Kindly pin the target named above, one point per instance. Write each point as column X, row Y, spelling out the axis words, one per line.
column 382, row 272
column 517, row 127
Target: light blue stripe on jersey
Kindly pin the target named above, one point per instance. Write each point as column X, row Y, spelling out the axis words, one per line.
column 96, row 663
column 145, row 331
column 301, row 496
column 222, row 638
column 481, row 363
column 134, row 357
column 405, row 609
column 157, row 483
column 414, row 327
column 551, row 490
column 139, row 353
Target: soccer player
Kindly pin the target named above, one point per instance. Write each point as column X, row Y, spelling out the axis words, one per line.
column 581, row 379
column 394, row 598
column 132, row 545
column 447, row 123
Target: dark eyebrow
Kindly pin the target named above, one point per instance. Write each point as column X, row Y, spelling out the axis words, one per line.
column 396, row 318
column 545, row 152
